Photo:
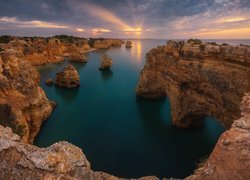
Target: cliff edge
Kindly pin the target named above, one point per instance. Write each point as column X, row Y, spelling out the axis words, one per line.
column 23, row 103
column 200, row 79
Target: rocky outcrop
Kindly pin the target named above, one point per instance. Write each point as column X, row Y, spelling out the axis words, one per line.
column 200, row 79
column 128, row 44
column 101, row 43
column 61, row 160
column 23, row 104
column 49, row 82
column 41, row 51
column 73, row 54
column 68, row 77
column 106, row 63
column 230, row 158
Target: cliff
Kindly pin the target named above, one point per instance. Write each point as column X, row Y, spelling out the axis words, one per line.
column 39, row 51
column 200, row 79
column 101, row 43
column 23, row 104
column 230, row 158
column 61, row 160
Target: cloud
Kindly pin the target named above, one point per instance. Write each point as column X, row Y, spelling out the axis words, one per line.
column 32, row 24
column 155, row 18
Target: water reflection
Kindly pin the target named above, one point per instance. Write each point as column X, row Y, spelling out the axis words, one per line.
column 106, row 75
column 136, row 50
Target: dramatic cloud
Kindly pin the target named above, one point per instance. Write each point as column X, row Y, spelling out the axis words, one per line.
column 128, row 18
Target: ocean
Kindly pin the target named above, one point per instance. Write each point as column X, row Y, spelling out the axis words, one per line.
column 120, row 133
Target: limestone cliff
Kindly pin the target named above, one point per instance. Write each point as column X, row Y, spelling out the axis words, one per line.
column 41, row 51
column 101, row 43
column 61, row 160
column 23, row 104
column 230, row 158
column 200, row 79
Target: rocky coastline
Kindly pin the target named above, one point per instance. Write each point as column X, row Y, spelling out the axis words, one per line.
column 200, row 79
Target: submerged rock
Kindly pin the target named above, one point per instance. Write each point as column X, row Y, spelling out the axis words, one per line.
column 68, row 77
column 106, row 63
column 128, row 44
column 49, row 82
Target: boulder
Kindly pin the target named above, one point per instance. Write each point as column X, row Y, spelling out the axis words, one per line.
column 68, row 77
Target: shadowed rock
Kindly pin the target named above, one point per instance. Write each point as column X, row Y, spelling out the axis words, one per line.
column 128, row 44
column 200, row 79
column 49, row 82
column 68, row 77
column 106, row 63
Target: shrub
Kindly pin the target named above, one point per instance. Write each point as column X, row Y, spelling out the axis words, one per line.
column 195, row 41
column 5, row 39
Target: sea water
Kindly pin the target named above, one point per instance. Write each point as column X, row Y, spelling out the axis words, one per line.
column 120, row 133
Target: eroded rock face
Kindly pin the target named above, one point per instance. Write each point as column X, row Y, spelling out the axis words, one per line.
column 106, row 43
column 23, row 104
column 230, row 158
column 200, row 80
column 61, row 160
column 106, row 63
column 68, row 77
column 73, row 54
column 128, row 44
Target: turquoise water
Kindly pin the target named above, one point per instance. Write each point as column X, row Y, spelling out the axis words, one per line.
column 120, row 133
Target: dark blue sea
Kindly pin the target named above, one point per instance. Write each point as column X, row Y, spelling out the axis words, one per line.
column 119, row 133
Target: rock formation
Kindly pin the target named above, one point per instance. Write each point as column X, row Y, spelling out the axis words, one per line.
column 73, row 54
column 49, row 82
column 41, row 51
column 230, row 158
column 23, row 104
column 101, row 43
column 61, row 160
column 200, row 79
column 106, row 63
column 128, row 44
column 68, row 77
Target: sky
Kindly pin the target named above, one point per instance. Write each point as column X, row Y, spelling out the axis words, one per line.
column 157, row 19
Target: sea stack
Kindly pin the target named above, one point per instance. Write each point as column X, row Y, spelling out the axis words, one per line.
column 49, row 82
column 128, row 44
column 68, row 77
column 106, row 63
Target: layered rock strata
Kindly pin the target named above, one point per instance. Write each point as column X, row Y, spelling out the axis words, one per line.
column 61, row 160
column 68, row 77
column 23, row 104
column 106, row 63
column 230, row 158
column 100, row 43
column 200, row 79
column 39, row 51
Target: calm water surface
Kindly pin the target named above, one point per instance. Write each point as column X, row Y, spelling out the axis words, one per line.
column 119, row 133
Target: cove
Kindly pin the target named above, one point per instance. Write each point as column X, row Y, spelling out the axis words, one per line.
column 119, row 133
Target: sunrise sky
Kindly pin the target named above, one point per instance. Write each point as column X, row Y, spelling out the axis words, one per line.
column 175, row 19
